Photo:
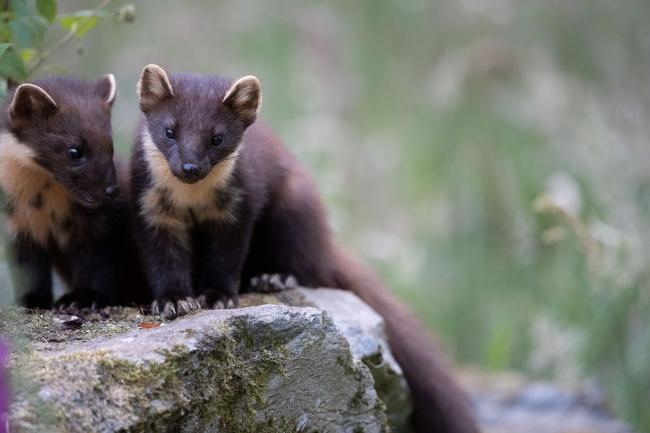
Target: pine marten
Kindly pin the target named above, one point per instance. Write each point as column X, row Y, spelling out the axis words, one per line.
column 218, row 200
column 61, row 192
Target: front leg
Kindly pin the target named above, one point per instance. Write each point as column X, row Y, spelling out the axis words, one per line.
column 94, row 275
column 222, row 257
column 33, row 273
column 167, row 259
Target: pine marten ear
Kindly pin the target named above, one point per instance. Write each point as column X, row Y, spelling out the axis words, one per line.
column 30, row 102
column 245, row 98
column 153, row 87
column 107, row 89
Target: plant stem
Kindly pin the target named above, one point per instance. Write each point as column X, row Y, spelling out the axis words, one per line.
column 65, row 39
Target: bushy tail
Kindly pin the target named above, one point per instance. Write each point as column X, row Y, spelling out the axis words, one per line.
column 440, row 406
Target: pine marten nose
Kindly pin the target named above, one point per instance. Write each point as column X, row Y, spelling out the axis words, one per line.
column 190, row 171
column 112, row 191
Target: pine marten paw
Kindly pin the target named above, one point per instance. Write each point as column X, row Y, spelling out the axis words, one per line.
column 268, row 283
column 218, row 300
column 36, row 300
column 78, row 299
column 170, row 308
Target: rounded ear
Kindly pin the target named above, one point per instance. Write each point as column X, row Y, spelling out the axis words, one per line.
column 153, row 87
column 30, row 102
column 107, row 89
column 245, row 98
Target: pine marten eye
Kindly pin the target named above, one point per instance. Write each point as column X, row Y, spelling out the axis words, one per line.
column 217, row 140
column 170, row 134
column 76, row 152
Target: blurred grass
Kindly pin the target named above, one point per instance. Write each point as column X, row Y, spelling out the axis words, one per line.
column 431, row 128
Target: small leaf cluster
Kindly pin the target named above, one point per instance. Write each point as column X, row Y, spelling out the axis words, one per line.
column 24, row 25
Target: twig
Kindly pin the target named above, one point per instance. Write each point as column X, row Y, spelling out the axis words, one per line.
column 67, row 38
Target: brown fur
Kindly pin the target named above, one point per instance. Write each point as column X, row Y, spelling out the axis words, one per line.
column 172, row 205
column 265, row 217
column 61, row 194
column 38, row 202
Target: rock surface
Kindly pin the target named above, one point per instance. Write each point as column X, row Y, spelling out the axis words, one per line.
column 267, row 368
column 507, row 402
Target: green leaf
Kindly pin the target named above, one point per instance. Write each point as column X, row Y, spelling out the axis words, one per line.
column 27, row 54
column 21, row 32
column 47, row 9
column 5, row 32
column 79, row 22
column 12, row 66
column 3, row 48
column 20, row 8
column 28, row 31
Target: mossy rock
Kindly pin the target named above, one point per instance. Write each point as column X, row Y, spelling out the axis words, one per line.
column 268, row 368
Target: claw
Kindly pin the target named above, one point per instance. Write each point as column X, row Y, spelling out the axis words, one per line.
column 291, row 282
column 263, row 283
column 194, row 304
column 182, row 307
column 171, row 308
column 267, row 283
column 275, row 281
column 218, row 305
column 169, row 311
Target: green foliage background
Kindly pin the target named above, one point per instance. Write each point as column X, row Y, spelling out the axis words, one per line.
column 24, row 29
column 432, row 128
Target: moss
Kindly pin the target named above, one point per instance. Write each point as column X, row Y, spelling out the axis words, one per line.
column 30, row 370
column 17, row 325
column 189, row 333
column 39, row 412
column 392, row 391
column 130, row 373
column 24, row 327
column 345, row 362
column 254, row 299
column 225, row 393
column 107, row 328
column 358, row 400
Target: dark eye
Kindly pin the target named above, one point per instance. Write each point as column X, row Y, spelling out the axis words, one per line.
column 217, row 140
column 76, row 152
column 170, row 134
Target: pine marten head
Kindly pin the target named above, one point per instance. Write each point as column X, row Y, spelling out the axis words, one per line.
column 63, row 126
column 196, row 122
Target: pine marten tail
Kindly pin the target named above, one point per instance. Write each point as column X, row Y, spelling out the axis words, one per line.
column 440, row 406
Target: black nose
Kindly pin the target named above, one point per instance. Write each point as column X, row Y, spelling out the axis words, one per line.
column 190, row 171
column 112, row 191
